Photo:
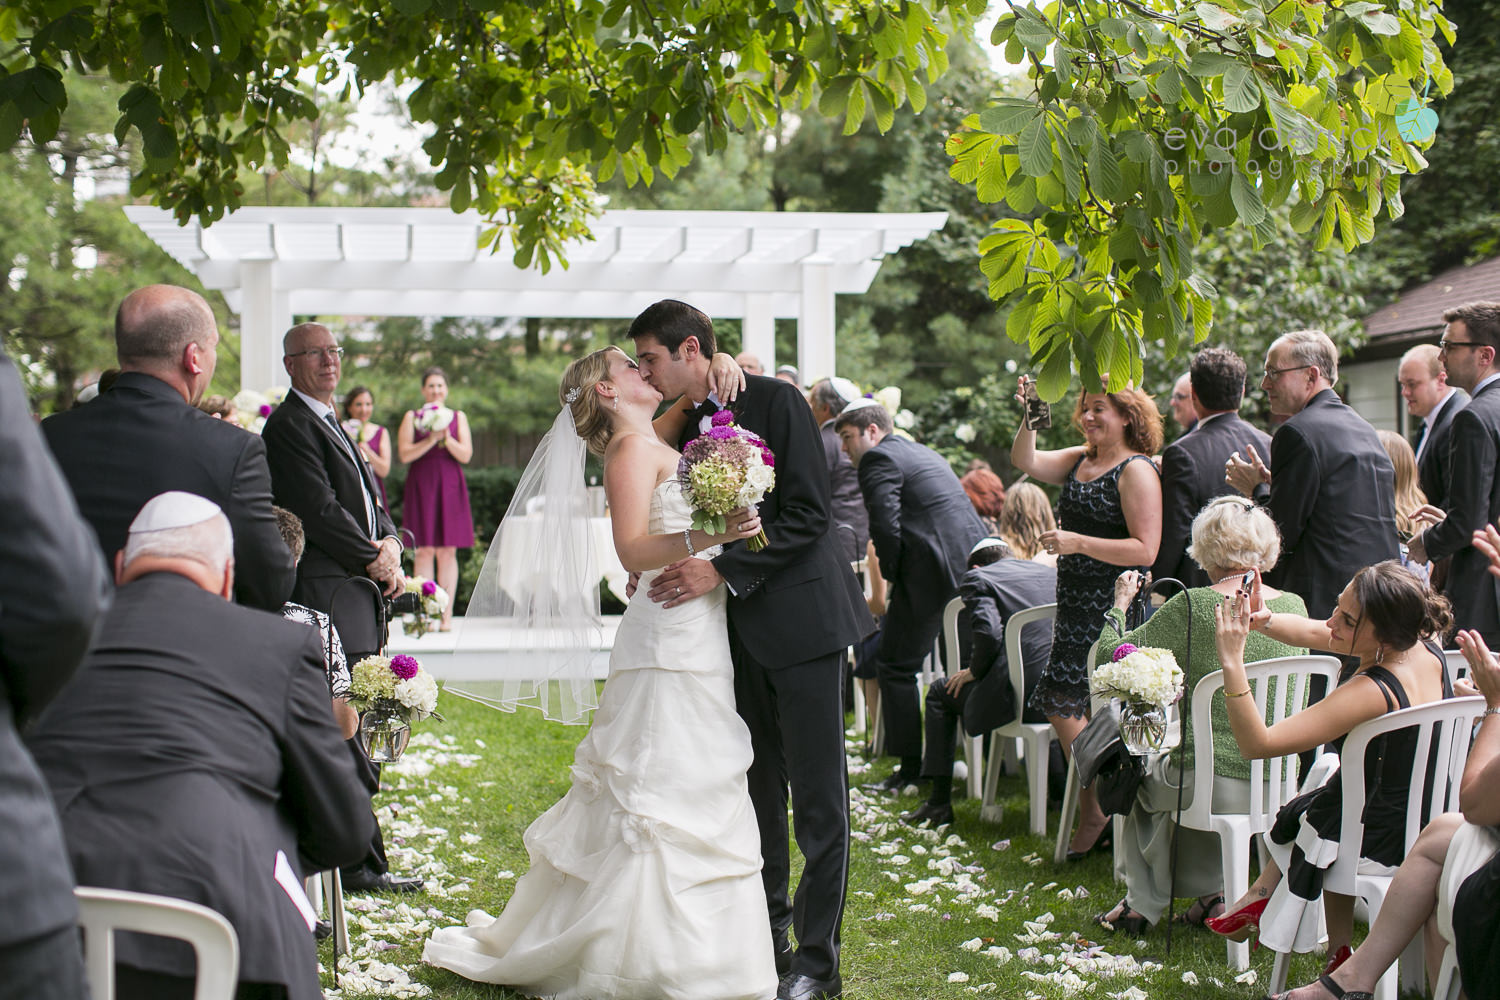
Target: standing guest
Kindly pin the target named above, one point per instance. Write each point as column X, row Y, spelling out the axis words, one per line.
column 987, row 493
column 145, row 436
column 373, row 442
column 923, row 527
column 828, row 397
column 194, row 757
column 1429, row 397
column 1332, row 486
column 435, row 508
column 749, row 363
column 1471, row 354
column 1181, row 404
column 317, row 474
column 53, row 589
column 1192, row 467
column 1409, row 497
column 1109, row 516
column 1231, row 536
column 981, row 695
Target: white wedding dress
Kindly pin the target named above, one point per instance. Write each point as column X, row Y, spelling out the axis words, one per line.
column 645, row 877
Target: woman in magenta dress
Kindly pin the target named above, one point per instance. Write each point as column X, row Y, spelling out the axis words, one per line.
column 434, row 441
column 374, row 443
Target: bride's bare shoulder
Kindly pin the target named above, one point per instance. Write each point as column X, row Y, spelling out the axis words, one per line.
column 638, row 452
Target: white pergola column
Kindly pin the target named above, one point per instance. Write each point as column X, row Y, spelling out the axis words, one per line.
column 815, row 320
column 759, row 327
column 265, row 315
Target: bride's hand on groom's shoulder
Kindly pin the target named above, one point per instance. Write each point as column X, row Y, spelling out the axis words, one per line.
column 684, row 580
column 725, row 378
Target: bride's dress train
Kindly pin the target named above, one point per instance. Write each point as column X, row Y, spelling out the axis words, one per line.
column 645, row 878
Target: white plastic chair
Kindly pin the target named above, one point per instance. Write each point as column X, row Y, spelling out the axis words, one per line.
column 329, row 886
column 952, row 664
column 1456, row 664
column 102, row 912
column 1035, row 737
column 1070, row 786
column 1273, row 781
column 1443, row 731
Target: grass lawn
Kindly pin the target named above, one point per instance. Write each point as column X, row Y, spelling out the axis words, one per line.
column 972, row 910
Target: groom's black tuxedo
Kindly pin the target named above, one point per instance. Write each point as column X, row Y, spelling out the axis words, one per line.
column 797, row 607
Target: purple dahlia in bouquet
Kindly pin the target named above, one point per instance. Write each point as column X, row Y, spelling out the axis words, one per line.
column 726, row 469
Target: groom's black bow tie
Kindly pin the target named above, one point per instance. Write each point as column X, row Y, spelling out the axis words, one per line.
column 707, row 408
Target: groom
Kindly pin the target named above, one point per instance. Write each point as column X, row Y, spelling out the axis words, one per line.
column 797, row 608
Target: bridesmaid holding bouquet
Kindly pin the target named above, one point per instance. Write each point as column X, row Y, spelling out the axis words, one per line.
column 435, row 442
column 374, row 443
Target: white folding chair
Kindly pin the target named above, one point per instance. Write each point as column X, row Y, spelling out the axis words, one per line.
column 1443, row 731
column 1070, row 785
column 102, row 912
column 329, row 886
column 1456, row 664
column 1273, row 781
column 952, row 664
column 1035, row 738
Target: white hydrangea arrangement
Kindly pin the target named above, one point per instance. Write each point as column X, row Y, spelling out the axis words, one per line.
column 400, row 679
column 1140, row 674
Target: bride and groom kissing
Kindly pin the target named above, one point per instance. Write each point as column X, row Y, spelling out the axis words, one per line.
column 724, row 693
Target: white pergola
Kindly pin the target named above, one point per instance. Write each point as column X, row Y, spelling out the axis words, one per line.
column 276, row 263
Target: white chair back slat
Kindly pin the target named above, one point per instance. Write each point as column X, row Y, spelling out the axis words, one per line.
column 102, row 912
column 953, row 660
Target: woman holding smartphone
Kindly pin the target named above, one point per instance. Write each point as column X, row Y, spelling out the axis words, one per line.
column 1109, row 518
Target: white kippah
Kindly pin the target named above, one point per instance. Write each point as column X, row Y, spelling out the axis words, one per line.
column 173, row 509
column 860, row 404
column 988, row 543
column 846, row 389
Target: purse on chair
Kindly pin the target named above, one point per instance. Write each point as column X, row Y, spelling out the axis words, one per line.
column 1104, row 762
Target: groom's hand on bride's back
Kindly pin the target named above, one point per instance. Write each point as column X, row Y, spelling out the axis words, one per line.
column 631, row 583
column 684, row 580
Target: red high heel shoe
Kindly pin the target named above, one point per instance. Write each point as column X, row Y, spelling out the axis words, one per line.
column 1337, row 959
column 1239, row 925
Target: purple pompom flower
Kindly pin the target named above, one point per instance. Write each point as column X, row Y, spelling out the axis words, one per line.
column 721, row 432
column 1122, row 651
column 722, row 417
column 404, row 667
column 265, row 409
column 428, row 588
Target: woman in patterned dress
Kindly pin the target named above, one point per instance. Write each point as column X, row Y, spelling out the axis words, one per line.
column 1109, row 519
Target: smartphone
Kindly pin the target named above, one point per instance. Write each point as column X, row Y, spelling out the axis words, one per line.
column 1038, row 413
column 1242, row 595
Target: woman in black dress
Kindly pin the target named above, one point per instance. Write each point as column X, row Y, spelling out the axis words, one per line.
column 1109, row 519
column 1392, row 622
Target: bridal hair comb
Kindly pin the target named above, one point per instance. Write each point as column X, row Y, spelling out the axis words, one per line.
column 571, row 396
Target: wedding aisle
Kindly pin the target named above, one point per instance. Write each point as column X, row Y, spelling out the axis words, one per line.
column 975, row 910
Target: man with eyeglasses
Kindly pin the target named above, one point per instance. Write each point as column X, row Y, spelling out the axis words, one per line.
column 1429, row 398
column 1468, row 351
column 146, row 436
column 1332, row 486
column 1182, row 403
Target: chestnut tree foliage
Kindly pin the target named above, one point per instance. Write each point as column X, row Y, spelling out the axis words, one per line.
column 1150, row 123
column 530, row 100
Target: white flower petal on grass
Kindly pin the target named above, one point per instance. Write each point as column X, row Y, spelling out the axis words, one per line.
column 973, row 944
column 1000, row 845
column 1190, row 978
column 470, row 839
column 958, row 977
column 1246, row 978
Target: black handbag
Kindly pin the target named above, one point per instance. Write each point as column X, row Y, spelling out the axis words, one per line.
column 1104, row 762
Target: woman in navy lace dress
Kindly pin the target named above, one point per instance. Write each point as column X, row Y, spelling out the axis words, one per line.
column 1109, row 518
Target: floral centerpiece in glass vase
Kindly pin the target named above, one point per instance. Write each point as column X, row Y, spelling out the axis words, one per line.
column 423, row 610
column 726, row 469
column 1147, row 681
column 390, row 693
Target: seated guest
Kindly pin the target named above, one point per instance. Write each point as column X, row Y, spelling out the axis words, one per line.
column 987, row 494
column 1391, row 622
column 1447, row 885
column 194, row 756
column 1231, row 536
column 335, row 666
column 981, row 695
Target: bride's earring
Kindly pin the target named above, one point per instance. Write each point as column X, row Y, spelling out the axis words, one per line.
column 615, row 399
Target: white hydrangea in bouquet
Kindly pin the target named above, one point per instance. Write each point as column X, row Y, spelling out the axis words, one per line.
column 252, row 408
column 433, row 417
column 726, row 469
column 360, row 430
column 390, row 693
column 432, row 599
column 1147, row 681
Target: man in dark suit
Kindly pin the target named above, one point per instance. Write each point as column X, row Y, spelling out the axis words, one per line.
column 981, row 694
column 195, row 756
column 1192, row 467
column 146, row 436
column 923, row 527
column 796, row 609
column 1332, row 486
column 1470, row 345
column 828, row 397
column 53, row 588
column 1429, row 397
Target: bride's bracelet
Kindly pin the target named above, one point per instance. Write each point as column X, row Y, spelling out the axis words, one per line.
column 687, row 536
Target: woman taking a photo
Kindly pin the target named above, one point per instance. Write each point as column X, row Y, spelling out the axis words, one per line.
column 1109, row 518
column 435, row 442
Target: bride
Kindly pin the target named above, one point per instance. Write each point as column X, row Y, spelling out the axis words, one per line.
column 645, row 877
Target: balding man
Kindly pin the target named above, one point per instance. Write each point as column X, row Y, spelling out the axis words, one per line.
column 1429, row 398
column 194, row 756
column 750, row 363
column 1181, row 403
column 146, row 436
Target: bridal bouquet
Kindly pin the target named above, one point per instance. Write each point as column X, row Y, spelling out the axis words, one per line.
column 726, row 469
column 430, row 602
column 1147, row 681
column 360, row 430
column 433, row 417
column 390, row 694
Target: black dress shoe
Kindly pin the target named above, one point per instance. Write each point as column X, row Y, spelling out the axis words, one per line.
column 322, row 930
column 783, row 950
column 384, row 882
column 892, row 784
column 796, row 986
column 936, row 813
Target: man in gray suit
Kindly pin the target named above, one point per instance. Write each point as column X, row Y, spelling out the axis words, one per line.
column 52, row 589
column 851, row 524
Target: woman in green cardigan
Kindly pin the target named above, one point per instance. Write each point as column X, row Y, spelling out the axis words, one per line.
column 1231, row 536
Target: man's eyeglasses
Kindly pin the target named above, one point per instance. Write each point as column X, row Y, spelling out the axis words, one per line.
column 319, row 352
column 1444, row 345
column 1271, row 373
column 1178, row 397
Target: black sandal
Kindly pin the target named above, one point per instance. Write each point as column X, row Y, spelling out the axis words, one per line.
column 1199, row 912
column 1334, row 990
column 1128, row 921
